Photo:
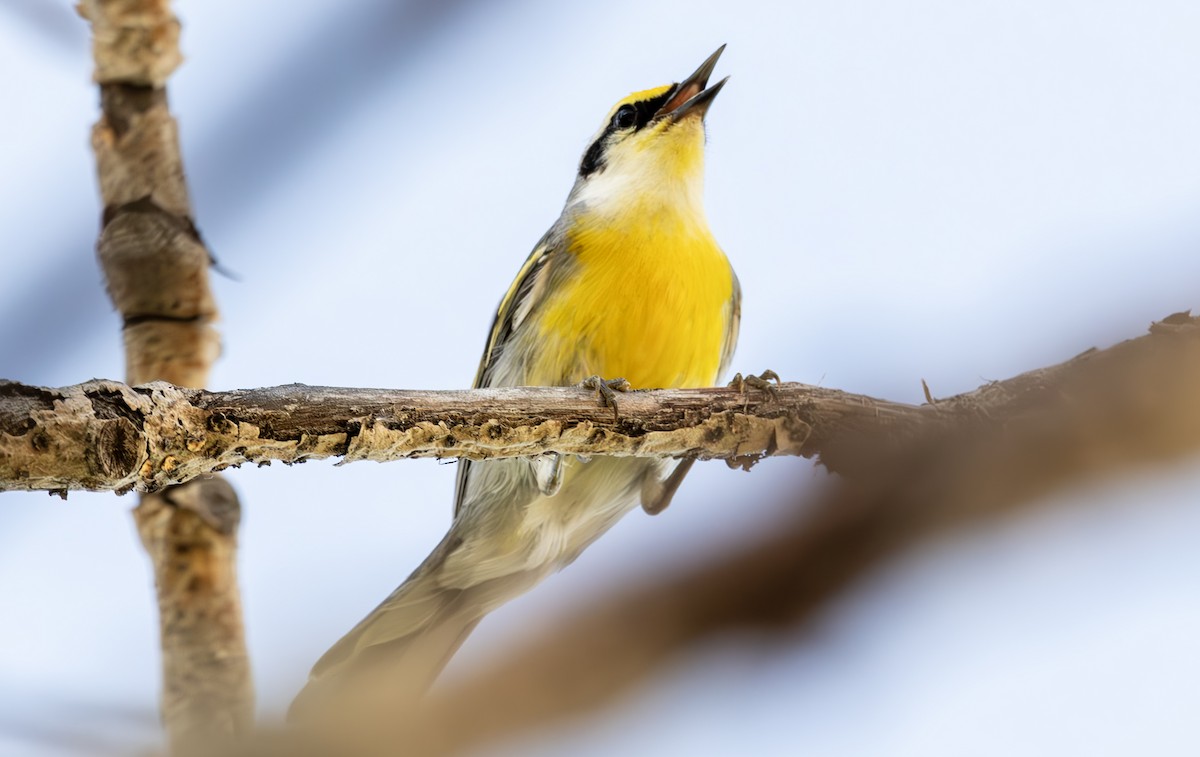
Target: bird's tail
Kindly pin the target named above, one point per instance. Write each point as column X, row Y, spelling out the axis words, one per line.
column 394, row 653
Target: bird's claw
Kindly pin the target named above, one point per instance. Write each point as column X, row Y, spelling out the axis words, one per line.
column 761, row 382
column 607, row 389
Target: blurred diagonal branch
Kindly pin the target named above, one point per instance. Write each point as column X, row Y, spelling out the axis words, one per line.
column 1101, row 414
column 156, row 269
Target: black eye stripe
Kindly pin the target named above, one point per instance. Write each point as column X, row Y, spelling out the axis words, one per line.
column 647, row 108
column 593, row 159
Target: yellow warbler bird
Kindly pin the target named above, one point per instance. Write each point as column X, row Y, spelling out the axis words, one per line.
column 629, row 283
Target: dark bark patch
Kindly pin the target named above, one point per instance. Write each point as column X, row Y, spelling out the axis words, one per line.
column 19, row 404
column 110, row 405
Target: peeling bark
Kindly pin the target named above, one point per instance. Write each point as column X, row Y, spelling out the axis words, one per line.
column 158, row 435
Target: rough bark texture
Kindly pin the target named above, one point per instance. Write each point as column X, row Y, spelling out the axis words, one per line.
column 106, row 435
column 133, row 41
column 189, row 532
column 156, row 270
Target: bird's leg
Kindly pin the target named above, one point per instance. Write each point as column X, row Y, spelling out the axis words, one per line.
column 607, row 389
column 761, row 382
column 656, row 494
column 547, row 473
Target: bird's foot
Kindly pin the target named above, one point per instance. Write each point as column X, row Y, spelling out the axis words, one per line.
column 607, row 389
column 761, row 382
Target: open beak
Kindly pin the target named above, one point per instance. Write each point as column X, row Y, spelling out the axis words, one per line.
column 690, row 96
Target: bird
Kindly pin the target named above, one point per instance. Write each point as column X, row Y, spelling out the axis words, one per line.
column 627, row 289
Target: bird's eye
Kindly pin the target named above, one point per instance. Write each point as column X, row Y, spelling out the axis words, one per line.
column 625, row 117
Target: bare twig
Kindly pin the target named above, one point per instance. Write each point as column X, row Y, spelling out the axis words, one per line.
column 156, row 269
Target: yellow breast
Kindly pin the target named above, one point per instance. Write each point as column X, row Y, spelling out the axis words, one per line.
column 647, row 301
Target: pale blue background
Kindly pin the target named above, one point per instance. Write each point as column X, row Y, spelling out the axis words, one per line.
column 954, row 191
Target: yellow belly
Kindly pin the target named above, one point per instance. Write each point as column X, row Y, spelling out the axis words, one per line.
column 647, row 302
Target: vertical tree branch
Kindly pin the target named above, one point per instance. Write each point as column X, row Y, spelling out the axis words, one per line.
column 156, row 269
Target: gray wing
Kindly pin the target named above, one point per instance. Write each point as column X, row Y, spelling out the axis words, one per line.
column 527, row 291
column 733, row 323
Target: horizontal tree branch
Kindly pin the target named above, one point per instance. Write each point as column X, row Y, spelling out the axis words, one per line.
column 104, row 435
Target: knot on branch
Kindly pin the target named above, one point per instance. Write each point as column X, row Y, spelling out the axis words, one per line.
column 114, row 450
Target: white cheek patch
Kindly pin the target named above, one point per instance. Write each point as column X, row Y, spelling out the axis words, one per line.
column 614, row 184
column 629, row 178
